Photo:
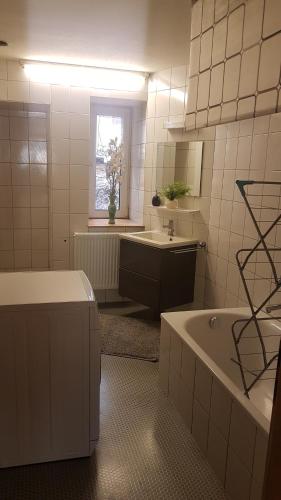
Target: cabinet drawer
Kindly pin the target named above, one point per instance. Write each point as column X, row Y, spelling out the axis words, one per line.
column 141, row 259
column 139, row 288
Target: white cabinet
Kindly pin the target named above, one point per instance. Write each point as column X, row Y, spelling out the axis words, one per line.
column 49, row 381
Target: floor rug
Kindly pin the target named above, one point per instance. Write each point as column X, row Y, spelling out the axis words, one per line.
column 129, row 337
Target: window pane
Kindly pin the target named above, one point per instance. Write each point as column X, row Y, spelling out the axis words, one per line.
column 108, row 127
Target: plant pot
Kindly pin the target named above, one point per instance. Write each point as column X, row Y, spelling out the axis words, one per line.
column 111, row 213
column 172, row 204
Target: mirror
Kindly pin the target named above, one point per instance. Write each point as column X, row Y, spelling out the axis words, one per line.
column 179, row 161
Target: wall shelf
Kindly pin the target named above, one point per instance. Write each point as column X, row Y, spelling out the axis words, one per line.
column 174, row 124
column 162, row 208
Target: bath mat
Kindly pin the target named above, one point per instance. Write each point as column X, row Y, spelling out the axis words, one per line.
column 129, row 337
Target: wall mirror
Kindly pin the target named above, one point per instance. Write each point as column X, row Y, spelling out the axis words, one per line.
column 179, row 161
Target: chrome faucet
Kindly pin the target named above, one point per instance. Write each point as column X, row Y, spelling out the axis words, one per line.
column 274, row 307
column 171, row 228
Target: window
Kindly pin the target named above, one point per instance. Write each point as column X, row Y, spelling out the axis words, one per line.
column 109, row 122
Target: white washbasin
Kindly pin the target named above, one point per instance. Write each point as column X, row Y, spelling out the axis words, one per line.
column 158, row 239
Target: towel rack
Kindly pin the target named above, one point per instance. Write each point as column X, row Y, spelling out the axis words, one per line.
column 202, row 245
column 257, row 351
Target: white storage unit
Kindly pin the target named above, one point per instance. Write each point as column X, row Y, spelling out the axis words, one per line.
column 49, row 367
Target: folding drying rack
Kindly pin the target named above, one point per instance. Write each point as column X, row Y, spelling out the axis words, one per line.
column 256, row 350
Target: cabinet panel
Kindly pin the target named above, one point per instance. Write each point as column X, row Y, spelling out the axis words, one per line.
column 158, row 278
column 139, row 288
column 141, row 259
column 177, row 282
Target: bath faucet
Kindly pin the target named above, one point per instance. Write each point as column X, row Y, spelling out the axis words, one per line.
column 171, row 228
column 274, row 307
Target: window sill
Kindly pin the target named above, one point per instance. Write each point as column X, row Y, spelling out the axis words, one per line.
column 121, row 225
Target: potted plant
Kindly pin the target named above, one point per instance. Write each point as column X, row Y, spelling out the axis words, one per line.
column 173, row 192
column 114, row 171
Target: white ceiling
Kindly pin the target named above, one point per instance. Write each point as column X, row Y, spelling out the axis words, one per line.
column 130, row 34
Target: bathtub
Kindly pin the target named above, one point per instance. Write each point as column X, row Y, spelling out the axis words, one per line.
column 198, row 376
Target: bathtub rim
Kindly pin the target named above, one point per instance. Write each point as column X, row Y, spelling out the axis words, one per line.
column 176, row 321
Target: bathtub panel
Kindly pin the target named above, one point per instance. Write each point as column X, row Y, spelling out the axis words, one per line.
column 220, row 408
column 203, row 385
column 200, row 423
column 242, row 435
column 186, row 403
column 188, row 367
column 164, row 363
column 229, row 433
column 260, row 456
column 174, row 388
column 217, row 451
column 175, row 353
column 238, row 479
column 256, row 491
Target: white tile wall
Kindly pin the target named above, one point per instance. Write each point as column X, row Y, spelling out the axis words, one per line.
column 249, row 71
column 69, row 153
column 243, row 150
column 216, row 85
column 206, row 50
column 272, row 17
column 244, row 38
column 269, row 71
column 231, row 78
column 23, row 187
column 235, row 32
column 252, row 22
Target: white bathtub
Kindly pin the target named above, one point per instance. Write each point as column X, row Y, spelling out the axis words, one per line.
column 198, row 376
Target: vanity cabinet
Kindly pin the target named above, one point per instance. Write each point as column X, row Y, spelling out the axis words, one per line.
column 160, row 278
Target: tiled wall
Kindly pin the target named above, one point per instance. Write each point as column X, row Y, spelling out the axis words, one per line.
column 235, row 60
column 167, row 98
column 137, row 163
column 249, row 149
column 69, row 152
column 24, row 203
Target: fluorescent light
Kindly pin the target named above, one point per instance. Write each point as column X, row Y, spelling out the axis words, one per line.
column 82, row 76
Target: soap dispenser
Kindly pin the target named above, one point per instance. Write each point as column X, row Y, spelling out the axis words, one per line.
column 156, row 201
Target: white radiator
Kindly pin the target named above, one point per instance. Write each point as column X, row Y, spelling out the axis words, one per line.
column 97, row 254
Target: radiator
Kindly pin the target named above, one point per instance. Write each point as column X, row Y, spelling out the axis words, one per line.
column 97, row 254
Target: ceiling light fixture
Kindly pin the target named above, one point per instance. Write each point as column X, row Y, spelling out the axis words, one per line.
column 83, row 76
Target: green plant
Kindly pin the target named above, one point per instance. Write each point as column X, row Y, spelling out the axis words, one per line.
column 175, row 190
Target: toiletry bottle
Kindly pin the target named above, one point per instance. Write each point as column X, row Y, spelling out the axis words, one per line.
column 156, row 202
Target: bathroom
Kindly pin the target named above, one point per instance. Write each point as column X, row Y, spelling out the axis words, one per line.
column 201, row 72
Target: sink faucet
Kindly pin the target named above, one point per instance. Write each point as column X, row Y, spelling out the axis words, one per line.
column 171, row 228
column 274, row 307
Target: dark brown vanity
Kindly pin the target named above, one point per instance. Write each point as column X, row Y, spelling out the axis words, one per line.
column 160, row 278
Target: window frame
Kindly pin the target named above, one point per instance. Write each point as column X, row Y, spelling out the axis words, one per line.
column 125, row 113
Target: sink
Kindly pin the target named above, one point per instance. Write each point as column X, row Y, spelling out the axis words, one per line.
column 158, row 239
